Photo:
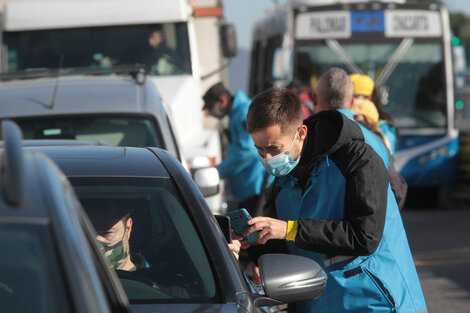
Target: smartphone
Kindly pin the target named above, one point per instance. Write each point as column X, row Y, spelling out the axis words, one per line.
column 224, row 224
column 239, row 221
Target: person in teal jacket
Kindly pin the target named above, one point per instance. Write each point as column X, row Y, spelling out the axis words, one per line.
column 241, row 168
column 333, row 204
column 336, row 90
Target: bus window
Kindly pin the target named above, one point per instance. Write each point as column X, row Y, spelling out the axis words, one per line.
column 254, row 68
column 419, row 71
column 272, row 43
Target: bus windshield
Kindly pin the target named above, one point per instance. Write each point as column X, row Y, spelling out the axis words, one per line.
column 162, row 48
column 411, row 87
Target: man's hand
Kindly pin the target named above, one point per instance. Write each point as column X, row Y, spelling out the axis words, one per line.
column 270, row 228
column 235, row 247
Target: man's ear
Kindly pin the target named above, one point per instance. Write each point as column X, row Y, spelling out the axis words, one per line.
column 129, row 224
column 224, row 100
column 316, row 106
column 352, row 103
column 303, row 132
column 314, row 98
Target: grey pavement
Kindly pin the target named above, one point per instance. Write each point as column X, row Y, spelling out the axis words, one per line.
column 440, row 243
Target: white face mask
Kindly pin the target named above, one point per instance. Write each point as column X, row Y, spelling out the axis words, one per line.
column 282, row 163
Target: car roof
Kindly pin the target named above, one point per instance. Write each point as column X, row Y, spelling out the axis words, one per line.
column 77, row 95
column 59, row 142
column 76, row 161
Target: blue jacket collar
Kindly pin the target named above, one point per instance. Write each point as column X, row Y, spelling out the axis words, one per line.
column 346, row 112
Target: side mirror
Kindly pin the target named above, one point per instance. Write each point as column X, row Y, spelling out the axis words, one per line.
column 281, row 64
column 208, row 180
column 228, row 38
column 288, row 279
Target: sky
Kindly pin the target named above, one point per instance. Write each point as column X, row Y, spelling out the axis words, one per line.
column 244, row 13
column 453, row 6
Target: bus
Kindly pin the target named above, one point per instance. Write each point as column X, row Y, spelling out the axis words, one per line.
column 405, row 48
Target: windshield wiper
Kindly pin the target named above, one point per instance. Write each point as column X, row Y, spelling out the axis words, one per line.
column 132, row 70
column 392, row 63
column 334, row 45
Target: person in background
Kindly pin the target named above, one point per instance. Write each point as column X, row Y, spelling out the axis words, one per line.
column 306, row 102
column 334, row 91
column 162, row 60
column 365, row 112
column 334, row 205
column 364, row 88
column 241, row 168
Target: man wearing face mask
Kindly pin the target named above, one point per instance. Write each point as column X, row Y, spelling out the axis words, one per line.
column 244, row 174
column 334, row 205
column 113, row 225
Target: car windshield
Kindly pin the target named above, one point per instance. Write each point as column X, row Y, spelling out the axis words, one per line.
column 30, row 276
column 412, row 89
column 133, row 131
column 163, row 48
column 167, row 261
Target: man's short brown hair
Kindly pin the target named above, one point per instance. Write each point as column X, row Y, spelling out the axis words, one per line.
column 274, row 106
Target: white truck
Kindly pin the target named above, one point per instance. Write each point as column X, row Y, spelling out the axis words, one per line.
column 184, row 48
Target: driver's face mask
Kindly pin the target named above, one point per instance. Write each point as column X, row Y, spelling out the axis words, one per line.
column 116, row 252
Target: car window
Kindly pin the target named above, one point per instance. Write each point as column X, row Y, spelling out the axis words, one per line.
column 132, row 131
column 30, row 276
column 145, row 219
column 162, row 48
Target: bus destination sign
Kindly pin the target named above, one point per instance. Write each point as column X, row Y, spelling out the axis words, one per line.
column 322, row 25
column 390, row 23
column 412, row 23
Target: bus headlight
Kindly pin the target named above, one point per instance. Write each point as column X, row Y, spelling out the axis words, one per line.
column 444, row 150
column 423, row 159
column 433, row 154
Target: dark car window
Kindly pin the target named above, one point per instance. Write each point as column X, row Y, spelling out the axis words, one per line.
column 163, row 48
column 169, row 262
column 132, row 131
column 30, row 276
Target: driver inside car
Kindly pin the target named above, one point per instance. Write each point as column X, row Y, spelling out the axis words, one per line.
column 113, row 222
column 113, row 226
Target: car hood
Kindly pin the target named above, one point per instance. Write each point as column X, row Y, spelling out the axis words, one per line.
column 184, row 308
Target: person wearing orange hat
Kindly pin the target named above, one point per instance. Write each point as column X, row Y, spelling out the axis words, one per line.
column 363, row 90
